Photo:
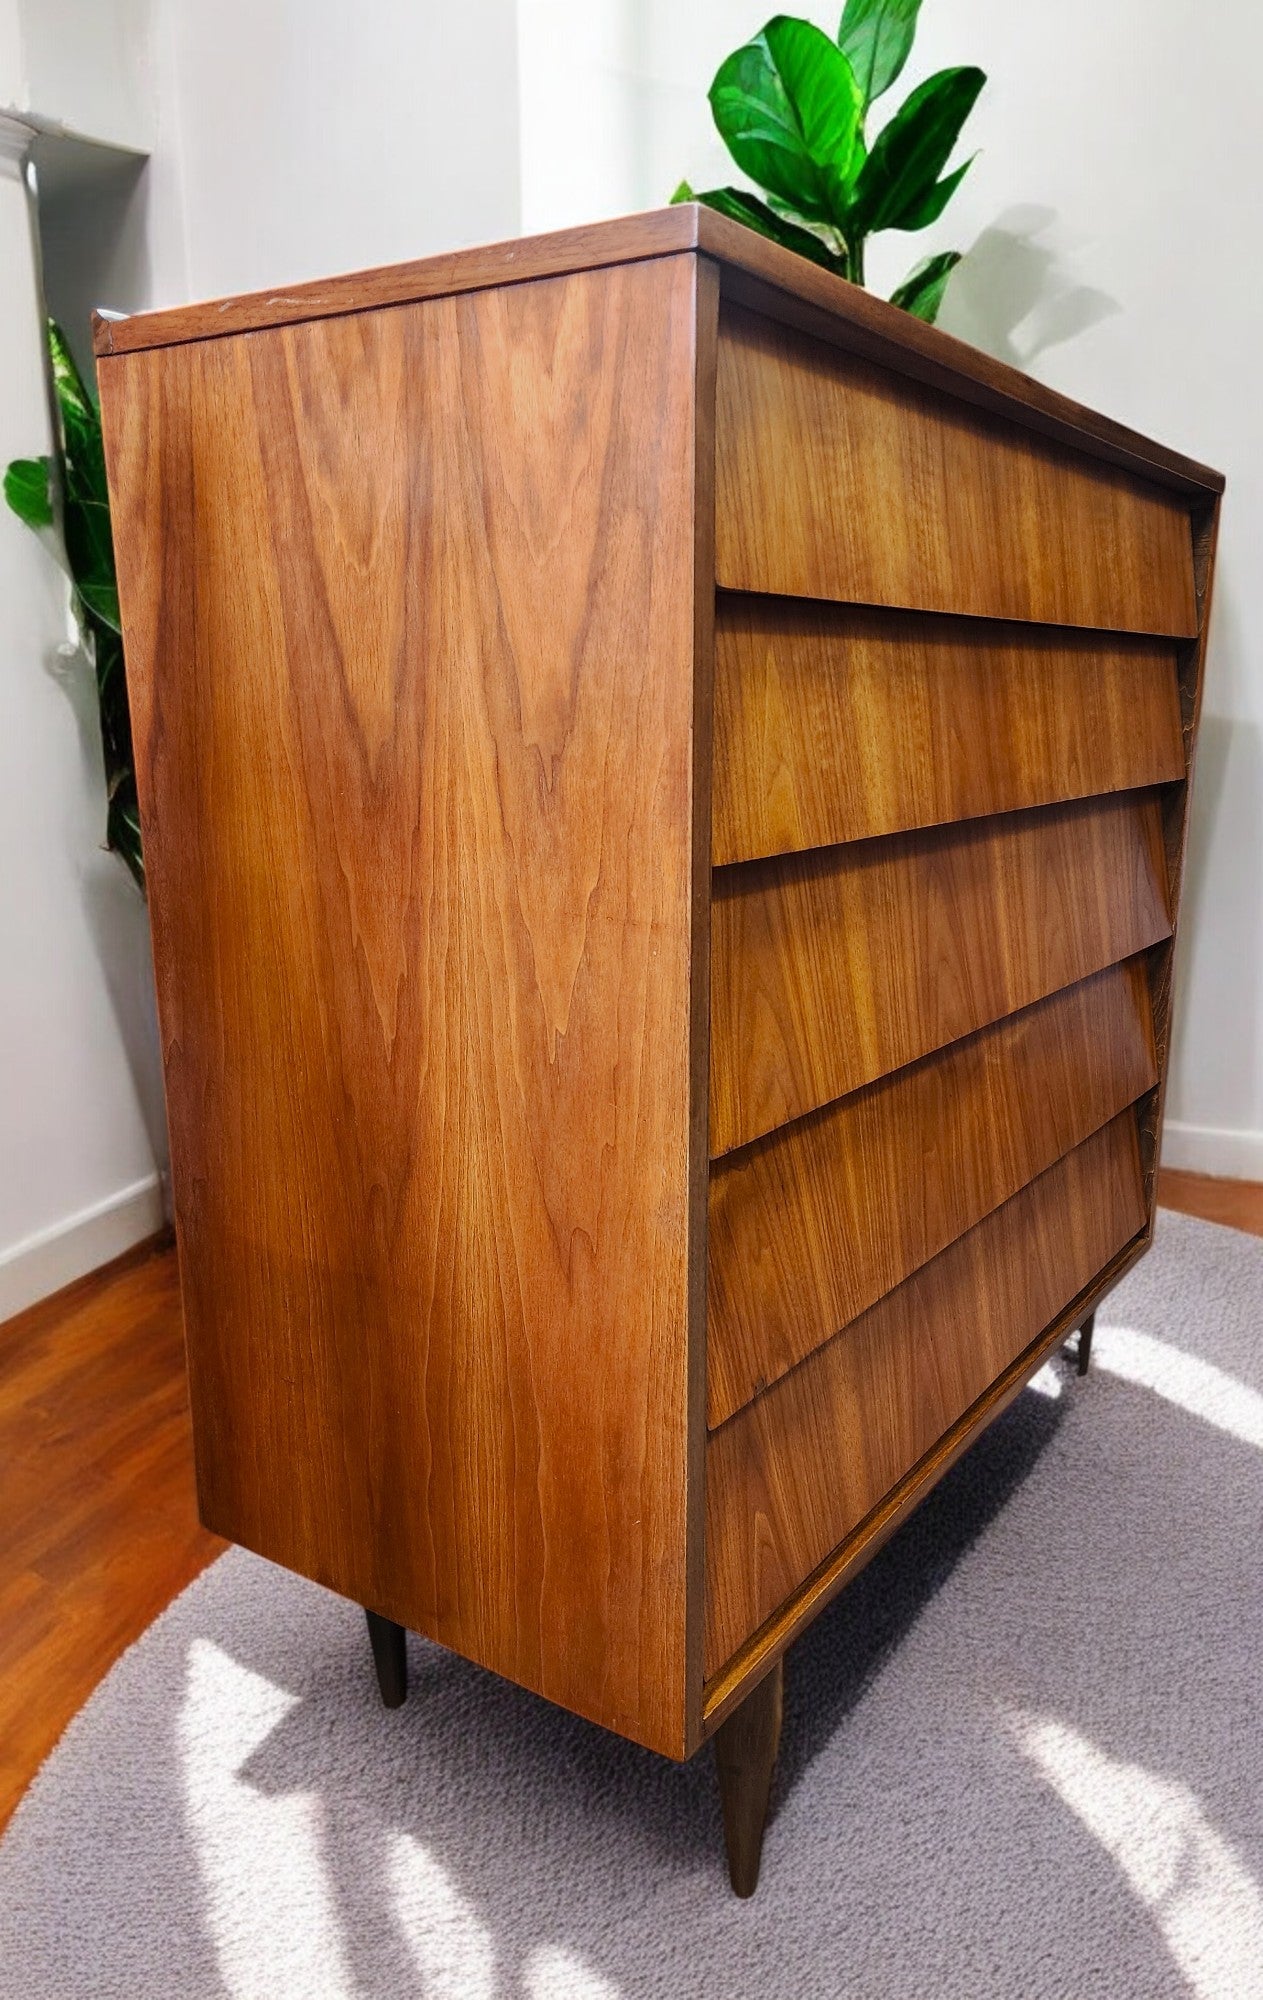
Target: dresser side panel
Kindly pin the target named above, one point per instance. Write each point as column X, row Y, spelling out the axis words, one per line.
column 409, row 609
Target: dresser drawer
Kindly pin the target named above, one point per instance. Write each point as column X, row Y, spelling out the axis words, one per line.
column 790, row 1476
column 840, row 479
column 830, row 969
column 958, row 718
column 813, row 1224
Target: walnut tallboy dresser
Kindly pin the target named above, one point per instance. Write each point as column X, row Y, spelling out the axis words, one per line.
column 664, row 785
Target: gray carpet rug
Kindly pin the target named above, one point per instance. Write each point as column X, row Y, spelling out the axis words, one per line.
column 1023, row 1755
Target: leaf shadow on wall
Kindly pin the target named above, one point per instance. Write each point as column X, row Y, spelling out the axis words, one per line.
column 1012, row 297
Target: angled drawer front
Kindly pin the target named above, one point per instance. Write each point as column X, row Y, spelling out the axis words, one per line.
column 792, row 1475
column 830, row 969
column 837, row 478
column 837, row 723
column 813, row 1224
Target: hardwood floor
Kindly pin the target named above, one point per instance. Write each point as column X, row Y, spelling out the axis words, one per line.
column 1237, row 1204
column 98, row 1527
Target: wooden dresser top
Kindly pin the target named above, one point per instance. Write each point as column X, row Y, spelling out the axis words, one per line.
column 756, row 270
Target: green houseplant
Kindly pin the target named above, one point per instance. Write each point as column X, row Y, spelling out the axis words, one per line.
column 792, row 108
column 68, row 493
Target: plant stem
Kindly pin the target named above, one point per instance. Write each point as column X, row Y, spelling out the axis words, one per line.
column 855, row 261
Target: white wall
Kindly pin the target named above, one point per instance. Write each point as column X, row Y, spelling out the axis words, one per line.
column 1113, row 221
column 315, row 137
column 81, row 1117
column 81, row 65
column 614, row 111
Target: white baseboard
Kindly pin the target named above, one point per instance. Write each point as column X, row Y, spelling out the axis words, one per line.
column 43, row 1263
column 1209, row 1149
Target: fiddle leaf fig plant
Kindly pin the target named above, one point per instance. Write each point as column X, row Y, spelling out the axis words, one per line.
column 792, row 107
column 68, row 494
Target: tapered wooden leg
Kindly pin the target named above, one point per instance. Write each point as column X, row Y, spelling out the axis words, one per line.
column 390, row 1657
column 1084, row 1350
column 745, row 1758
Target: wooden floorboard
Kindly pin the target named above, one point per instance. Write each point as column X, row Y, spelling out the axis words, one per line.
column 98, row 1524
column 1238, row 1204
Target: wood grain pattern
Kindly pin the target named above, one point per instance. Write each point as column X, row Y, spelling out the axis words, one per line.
column 812, row 1225
column 797, row 1470
column 955, row 368
column 837, row 478
column 957, row 718
column 400, row 592
column 784, row 282
column 829, row 970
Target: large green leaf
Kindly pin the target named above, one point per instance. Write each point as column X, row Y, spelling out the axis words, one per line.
column 90, row 552
column 790, row 112
column 122, row 830
column 85, row 522
column 100, row 594
column 122, row 826
column 73, row 393
column 899, row 187
column 746, row 208
column 116, row 725
column 28, row 490
column 877, row 35
column 921, row 292
column 80, row 421
column 921, row 214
